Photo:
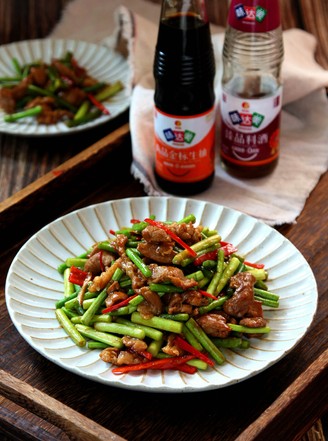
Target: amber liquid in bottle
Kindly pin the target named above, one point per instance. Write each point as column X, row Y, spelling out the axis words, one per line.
column 250, row 172
column 251, row 90
column 184, row 71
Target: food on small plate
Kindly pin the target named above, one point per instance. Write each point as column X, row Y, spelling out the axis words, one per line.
column 61, row 90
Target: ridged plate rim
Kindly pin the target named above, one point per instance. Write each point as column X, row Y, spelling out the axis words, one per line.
column 33, row 284
column 101, row 61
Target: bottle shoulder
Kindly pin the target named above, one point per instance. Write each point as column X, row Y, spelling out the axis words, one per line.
column 253, row 50
column 251, row 86
column 275, row 34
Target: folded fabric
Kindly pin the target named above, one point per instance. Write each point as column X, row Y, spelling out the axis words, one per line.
column 276, row 199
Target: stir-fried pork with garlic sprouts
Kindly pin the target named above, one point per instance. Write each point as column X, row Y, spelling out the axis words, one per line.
column 164, row 295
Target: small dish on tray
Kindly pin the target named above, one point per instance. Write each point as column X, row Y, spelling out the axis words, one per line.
column 33, row 286
column 101, row 62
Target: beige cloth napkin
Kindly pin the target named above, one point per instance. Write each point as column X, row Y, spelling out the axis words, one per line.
column 276, row 199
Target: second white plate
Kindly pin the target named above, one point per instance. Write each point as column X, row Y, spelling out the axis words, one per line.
column 101, row 62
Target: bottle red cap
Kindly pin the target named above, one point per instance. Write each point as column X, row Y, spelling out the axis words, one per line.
column 254, row 15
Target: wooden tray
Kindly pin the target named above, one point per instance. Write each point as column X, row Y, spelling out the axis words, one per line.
column 61, row 406
column 36, row 195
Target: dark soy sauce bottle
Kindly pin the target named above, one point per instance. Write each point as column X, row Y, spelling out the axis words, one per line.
column 184, row 116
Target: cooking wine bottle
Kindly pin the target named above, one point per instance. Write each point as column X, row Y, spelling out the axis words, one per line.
column 184, row 116
column 251, row 88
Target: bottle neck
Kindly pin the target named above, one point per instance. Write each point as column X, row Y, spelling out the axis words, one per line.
column 183, row 8
column 252, row 60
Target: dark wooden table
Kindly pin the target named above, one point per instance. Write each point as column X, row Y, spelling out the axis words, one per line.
column 41, row 179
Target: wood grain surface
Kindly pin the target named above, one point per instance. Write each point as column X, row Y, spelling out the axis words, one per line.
column 76, row 426
column 41, row 179
column 294, row 386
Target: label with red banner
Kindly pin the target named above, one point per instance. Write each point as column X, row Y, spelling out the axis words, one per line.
column 250, row 129
column 254, row 15
column 185, row 146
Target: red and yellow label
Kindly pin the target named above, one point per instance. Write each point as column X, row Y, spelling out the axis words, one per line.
column 185, row 146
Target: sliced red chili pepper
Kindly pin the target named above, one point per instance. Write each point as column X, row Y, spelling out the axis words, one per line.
column 98, row 104
column 76, row 280
column 145, row 354
column 102, row 266
column 118, row 305
column 162, row 363
column 171, row 234
column 207, row 294
column 112, row 232
column 186, row 368
column 135, row 221
column 211, row 255
column 77, row 276
column 228, row 248
column 254, row 265
column 183, row 344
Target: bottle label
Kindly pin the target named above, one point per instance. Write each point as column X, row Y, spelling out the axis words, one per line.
column 185, row 146
column 254, row 15
column 250, row 129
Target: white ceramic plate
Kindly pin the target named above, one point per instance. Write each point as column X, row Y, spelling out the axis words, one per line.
column 100, row 61
column 33, row 286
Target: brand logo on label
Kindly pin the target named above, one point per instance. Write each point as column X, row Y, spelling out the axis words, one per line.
column 176, row 135
column 246, row 119
column 250, row 13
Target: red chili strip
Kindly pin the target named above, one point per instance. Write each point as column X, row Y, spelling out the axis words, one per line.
column 146, row 354
column 181, row 367
column 183, row 344
column 228, row 248
column 102, row 266
column 135, row 221
column 77, row 276
column 76, row 280
column 112, row 232
column 162, row 363
column 118, row 305
column 186, row 368
column 211, row 255
column 171, row 234
column 207, row 294
column 98, row 104
column 254, row 265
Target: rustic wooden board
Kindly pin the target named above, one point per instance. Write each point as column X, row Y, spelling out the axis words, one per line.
column 288, row 386
column 73, row 177
column 74, row 424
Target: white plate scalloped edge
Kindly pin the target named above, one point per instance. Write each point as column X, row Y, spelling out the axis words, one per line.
column 101, row 61
column 33, row 285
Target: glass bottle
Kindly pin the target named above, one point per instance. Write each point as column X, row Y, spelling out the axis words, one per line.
column 184, row 116
column 251, row 88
